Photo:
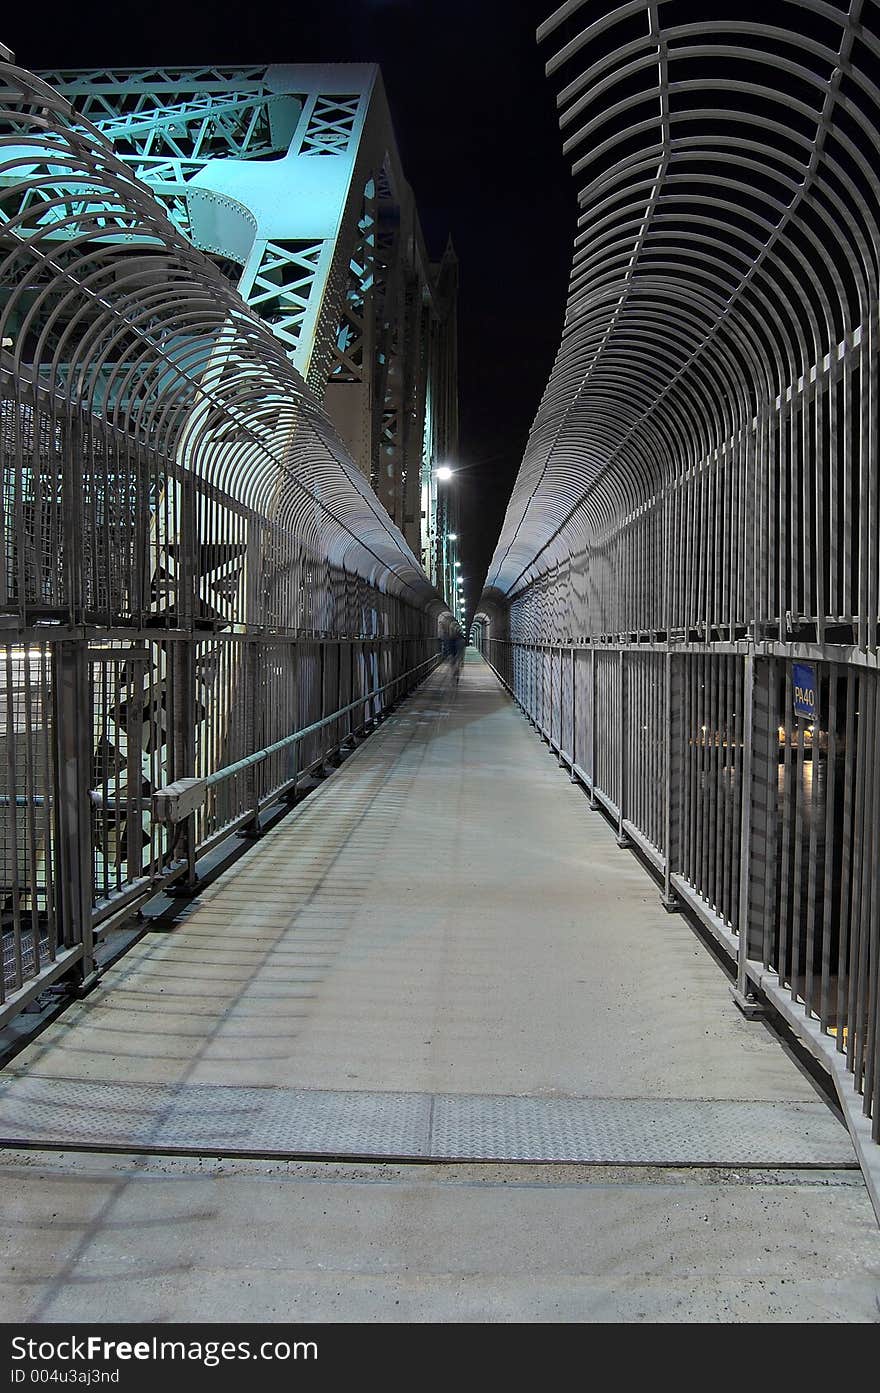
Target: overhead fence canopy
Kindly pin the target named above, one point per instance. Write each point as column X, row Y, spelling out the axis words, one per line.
column 107, row 309
column 699, row 460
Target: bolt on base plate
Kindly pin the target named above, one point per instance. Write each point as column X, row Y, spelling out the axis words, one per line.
column 751, row 1007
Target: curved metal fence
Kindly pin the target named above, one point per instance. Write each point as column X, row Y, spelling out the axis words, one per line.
column 684, row 595
column 198, row 587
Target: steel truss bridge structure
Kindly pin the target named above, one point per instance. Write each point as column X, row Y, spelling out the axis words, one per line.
column 202, row 599
column 289, row 178
column 689, row 562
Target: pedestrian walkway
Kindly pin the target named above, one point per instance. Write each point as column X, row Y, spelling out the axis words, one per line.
column 442, row 954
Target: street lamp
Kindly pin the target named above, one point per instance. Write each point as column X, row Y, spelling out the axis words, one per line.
column 444, row 473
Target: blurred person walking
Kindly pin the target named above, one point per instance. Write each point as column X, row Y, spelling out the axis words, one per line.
column 457, row 656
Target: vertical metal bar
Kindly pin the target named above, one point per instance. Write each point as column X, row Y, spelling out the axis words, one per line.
column 12, row 784
column 713, row 736
column 690, row 788
column 787, row 800
column 745, row 865
column 73, row 840
column 253, row 735
column 759, row 787
column 672, row 791
column 730, row 774
column 844, row 902
column 559, row 705
column 704, row 791
column 573, row 712
column 180, row 655
column 593, row 718
column 830, row 844
column 798, row 860
column 622, row 730
column 31, row 791
column 812, row 799
column 50, row 784
column 872, row 919
column 863, row 926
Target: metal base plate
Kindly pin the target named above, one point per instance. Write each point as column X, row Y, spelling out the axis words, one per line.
column 218, row 1120
column 751, row 1007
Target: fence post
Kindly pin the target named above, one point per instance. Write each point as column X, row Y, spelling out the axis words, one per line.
column 672, row 697
column 134, row 736
column 253, row 734
column 337, row 727
column 561, row 684
column 73, row 761
column 375, row 671
column 594, row 802
column 180, row 655
column 622, row 839
column 742, row 992
column 349, row 739
column 293, row 768
column 573, row 715
column 535, row 674
column 328, row 754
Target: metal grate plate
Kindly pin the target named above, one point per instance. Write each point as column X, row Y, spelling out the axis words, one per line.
column 214, row 1119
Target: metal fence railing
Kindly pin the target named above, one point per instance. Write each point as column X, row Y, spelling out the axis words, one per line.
column 197, row 583
column 685, row 594
column 79, row 774
column 761, row 822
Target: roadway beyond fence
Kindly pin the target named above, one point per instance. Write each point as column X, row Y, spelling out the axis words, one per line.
column 441, row 955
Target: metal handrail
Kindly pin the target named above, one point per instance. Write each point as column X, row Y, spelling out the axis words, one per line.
column 258, row 757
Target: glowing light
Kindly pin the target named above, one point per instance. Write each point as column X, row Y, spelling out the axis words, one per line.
column 444, row 473
column 453, row 536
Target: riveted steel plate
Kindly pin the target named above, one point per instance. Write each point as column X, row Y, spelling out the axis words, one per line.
column 324, row 1122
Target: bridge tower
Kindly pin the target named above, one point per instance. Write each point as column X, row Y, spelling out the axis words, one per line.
column 288, row 176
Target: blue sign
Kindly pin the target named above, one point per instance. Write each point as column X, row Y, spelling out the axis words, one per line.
column 806, row 690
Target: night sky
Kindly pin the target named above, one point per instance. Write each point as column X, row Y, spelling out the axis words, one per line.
column 476, row 126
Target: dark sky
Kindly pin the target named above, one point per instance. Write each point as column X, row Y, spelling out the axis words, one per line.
column 476, row 126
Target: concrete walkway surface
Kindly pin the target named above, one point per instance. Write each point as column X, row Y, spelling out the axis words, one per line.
column 441, row 953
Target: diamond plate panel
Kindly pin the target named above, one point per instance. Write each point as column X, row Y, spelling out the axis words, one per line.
column 632, row 1131
column 336, row 1123
column 79, row 1114
column 211, row 1118
column 282, row 1121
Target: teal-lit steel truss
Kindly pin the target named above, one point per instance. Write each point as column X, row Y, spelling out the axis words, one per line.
column 288, row 176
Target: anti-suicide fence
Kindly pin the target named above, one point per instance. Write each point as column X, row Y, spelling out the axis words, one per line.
column 197, row 584
column 684, row 596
